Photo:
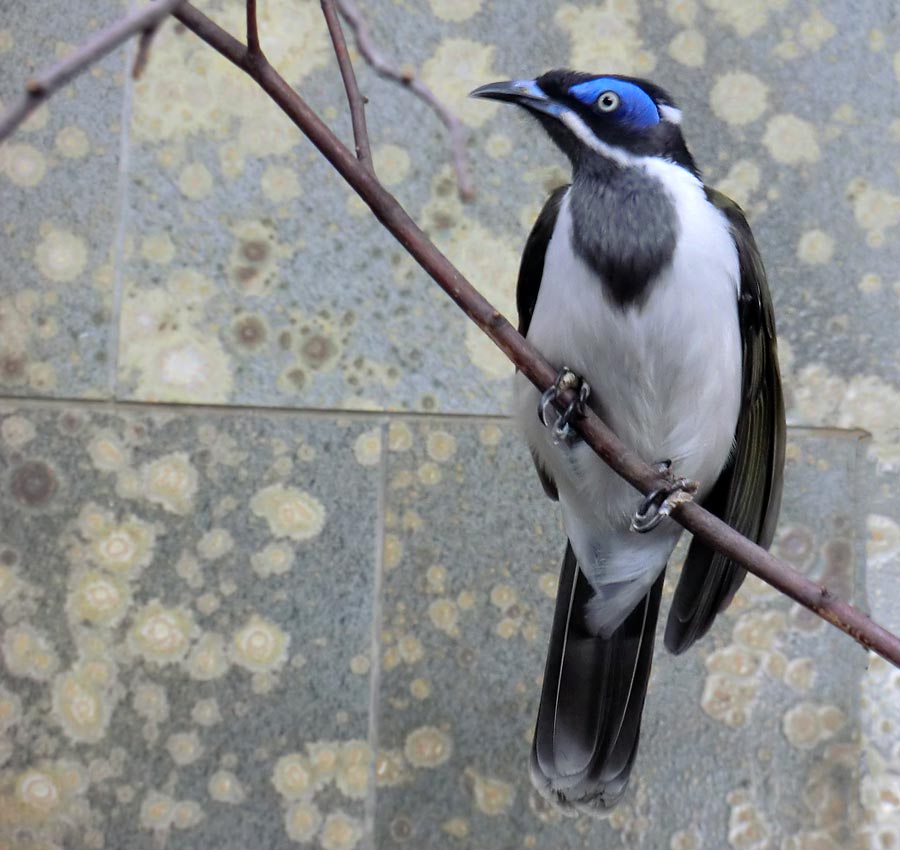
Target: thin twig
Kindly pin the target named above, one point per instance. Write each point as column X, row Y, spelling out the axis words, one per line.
column 369, row 51
column 528, row 360
column 142, row 57
column 354, row 97
column 253, row 45
column 45, row 83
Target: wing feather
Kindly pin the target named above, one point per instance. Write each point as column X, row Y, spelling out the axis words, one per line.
column 531, row 271
column 747, row 494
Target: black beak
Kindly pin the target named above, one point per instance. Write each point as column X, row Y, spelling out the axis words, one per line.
column 524, row 93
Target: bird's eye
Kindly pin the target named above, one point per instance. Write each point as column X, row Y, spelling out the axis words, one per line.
column 608, row 101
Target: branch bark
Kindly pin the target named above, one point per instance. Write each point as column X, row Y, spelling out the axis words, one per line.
column 142, row 57
column 253, row 45
column 529, row 361
column 374, row 57
column 354, row 97
column 43, row 84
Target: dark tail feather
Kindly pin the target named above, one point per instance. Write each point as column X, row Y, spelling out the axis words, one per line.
column 708, row 583
column 589, row 718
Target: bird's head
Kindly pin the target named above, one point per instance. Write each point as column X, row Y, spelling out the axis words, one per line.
column 608, row 116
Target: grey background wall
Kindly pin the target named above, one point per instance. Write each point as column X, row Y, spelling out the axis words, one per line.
column 274, row 570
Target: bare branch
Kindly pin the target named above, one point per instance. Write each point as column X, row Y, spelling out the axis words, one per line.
column 45, row 83
column 143, row 52
column 370, row 52
column 529, row 361
column 253, row 45
column 354, row 97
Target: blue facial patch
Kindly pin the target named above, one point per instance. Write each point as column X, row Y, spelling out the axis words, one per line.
column 637, row 108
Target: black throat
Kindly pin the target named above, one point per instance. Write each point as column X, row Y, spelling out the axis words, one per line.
column 624, row 226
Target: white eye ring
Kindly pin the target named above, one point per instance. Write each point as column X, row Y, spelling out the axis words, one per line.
column 608, row 101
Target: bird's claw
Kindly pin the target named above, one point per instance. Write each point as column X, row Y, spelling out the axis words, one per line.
column 661, row 502
column 560, row 424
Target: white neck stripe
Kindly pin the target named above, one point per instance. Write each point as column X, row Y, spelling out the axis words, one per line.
column 652, row 164
column 669, row 113
column 576, row 124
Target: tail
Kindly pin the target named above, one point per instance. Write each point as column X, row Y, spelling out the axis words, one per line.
column 589, row 718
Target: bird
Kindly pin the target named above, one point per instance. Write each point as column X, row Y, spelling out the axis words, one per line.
column 646, row 289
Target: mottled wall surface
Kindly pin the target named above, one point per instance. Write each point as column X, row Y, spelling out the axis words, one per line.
column 192, row 597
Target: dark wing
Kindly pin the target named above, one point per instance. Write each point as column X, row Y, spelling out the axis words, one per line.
column 531, row 270
column 747, row 494
column 592, row 698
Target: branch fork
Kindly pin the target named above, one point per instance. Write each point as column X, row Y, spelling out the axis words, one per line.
column 41, row 86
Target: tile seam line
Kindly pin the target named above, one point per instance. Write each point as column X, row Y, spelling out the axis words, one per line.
column 371, row 806
column 116, row 404
column 865, row 709
column 118, row 247
column 113, row 405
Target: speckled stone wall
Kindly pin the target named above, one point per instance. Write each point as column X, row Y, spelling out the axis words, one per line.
column 215, row 619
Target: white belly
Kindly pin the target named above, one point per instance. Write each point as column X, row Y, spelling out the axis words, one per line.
column 666, row 374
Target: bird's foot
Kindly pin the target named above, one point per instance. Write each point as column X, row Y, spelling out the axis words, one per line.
column 560, row 424
column 660, row 503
